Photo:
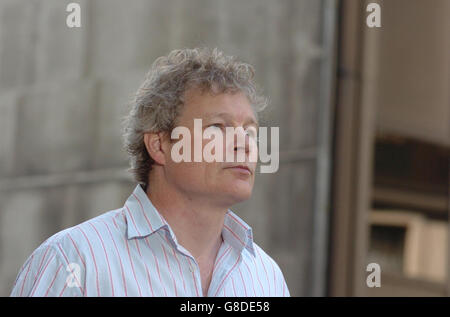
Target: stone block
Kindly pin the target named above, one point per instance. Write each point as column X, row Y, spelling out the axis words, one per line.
column 127, row 35
column 61, row 52
column 196, row 23
column 8, row 125
column 18, row 20
column 56, row 125
column 115, row 97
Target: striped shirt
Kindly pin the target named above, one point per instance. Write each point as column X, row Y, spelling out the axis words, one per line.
column 132, row 251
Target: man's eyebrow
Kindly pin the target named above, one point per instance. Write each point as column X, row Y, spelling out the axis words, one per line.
column 227, row 116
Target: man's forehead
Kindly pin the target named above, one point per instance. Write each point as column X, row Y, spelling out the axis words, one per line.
column 250, row 117
column 207, row 105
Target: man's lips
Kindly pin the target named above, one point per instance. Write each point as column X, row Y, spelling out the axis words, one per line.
column 241, row 168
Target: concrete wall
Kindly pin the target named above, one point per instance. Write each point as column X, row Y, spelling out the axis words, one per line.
column 63, row 91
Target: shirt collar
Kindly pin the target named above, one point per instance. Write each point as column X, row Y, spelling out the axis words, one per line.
column 237, row 233
column 143, row 219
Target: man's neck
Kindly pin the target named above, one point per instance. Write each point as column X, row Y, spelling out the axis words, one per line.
column 197, row 223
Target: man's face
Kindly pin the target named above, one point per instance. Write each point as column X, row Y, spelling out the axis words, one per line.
column 223, row 182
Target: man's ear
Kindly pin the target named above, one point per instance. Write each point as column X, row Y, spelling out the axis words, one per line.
column 154, row 145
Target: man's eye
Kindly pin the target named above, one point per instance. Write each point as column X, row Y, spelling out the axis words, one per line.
column 251, row 132
column 216, row 125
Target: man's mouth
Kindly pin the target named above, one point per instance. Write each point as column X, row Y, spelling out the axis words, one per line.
column 241, row 168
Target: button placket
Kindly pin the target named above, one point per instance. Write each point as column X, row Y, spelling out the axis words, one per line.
column 224, row 272
column 198, row 279
column 195, row 273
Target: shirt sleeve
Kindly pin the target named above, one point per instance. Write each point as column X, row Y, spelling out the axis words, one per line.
column 281, row 288
column 285, row 290
column 48, row 272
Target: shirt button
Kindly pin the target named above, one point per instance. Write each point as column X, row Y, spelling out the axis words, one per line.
column 191, row 268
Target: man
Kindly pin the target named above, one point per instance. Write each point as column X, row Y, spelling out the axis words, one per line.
column 175, row 235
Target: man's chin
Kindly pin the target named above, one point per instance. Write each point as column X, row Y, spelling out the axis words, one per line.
column 238, row 194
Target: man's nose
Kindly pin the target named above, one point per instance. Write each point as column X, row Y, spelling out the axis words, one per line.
column 241, row 140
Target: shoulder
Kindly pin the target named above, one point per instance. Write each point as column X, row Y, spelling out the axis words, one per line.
column 42, row 273
column 78, row 238
column 268, row 274
column 266, row 260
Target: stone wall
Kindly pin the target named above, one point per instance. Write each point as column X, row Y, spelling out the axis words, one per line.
column 64, row 90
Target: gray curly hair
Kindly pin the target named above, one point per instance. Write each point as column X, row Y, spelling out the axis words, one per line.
column 160, row 98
